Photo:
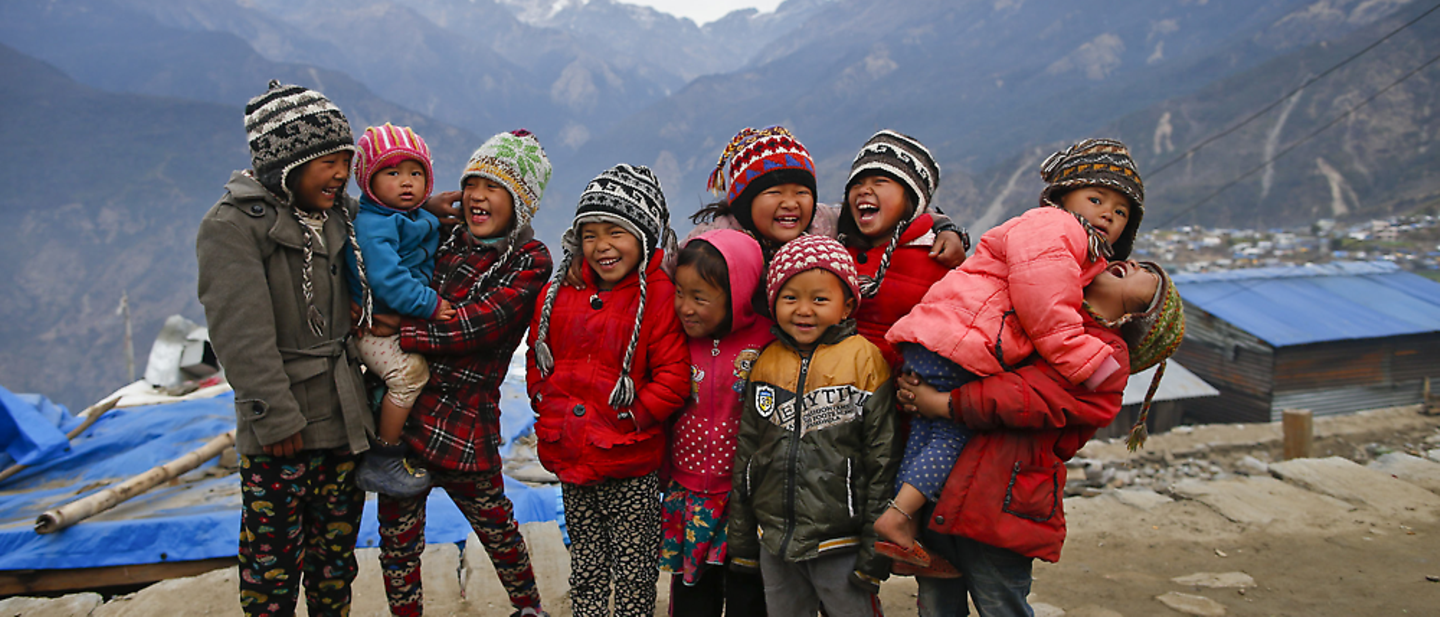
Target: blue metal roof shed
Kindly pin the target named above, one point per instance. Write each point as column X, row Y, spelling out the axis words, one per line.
column 1332, row 338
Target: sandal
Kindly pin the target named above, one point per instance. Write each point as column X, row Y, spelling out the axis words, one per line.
column 938, row 568
column 916, row 555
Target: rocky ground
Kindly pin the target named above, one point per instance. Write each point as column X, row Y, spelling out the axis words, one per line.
column 1204, row 521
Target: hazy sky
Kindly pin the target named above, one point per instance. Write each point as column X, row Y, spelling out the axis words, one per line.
column 704, row 11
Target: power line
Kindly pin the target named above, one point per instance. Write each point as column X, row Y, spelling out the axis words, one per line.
column 1302, row 140
column 1289, row 94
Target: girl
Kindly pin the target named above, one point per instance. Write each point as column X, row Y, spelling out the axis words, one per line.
column 605, row 370
column 716, row 275
column 492, row 270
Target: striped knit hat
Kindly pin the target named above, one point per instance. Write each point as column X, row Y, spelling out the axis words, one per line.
column 631, row 197
column 809, row 252
column 907, row 160
column 289, row 126
column 756, row 160
column 386, row 146
column 1097, row 162
column 1152, row 336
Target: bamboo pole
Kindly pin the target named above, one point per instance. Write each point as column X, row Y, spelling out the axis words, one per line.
column 64, row 516
column 91, row 413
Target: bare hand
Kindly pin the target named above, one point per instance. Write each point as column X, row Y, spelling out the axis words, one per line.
column 443, row 206
column 446, row 312
column 290, row 446
column 573, row 276
column 916, row 396
column 385, row 325
column 948, row 250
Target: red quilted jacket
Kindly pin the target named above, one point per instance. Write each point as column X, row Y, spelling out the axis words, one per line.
column 911, row 274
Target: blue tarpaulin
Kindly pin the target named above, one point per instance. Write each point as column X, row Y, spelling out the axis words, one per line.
column 198, row 518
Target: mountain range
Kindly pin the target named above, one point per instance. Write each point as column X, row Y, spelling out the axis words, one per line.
column 122, row 118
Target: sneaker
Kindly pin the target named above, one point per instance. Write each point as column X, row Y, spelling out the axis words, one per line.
column 385, row 470
column 530, row 611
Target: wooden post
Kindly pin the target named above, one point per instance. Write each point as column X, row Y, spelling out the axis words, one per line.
column 1299, row 428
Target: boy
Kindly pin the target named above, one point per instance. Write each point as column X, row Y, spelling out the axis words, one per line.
column 273, row 283
column 817, row 448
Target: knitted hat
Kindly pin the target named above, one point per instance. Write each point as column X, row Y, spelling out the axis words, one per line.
column 907, row 160
column 753, row 155
column 386, row 146
column 1152, row 336
column 631, row 197
column 289, row 126
column 515, row 160
column 809, row 252
column 1097, row 162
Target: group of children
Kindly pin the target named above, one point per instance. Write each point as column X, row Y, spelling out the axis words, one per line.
column 761, row 376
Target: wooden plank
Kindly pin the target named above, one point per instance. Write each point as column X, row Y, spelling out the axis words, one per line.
column 20, row 582
column 1299, row 431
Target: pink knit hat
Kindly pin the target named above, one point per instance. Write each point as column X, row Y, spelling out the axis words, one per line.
column 386, row 146
column 808, row 253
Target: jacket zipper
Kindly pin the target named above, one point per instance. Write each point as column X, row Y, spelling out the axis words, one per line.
column 793, row 456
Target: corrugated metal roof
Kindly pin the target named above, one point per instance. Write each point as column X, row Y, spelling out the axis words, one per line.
column 1338, row 301
column 1178, row 383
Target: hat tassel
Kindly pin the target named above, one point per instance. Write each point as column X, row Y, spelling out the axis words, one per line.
column 1139, row 433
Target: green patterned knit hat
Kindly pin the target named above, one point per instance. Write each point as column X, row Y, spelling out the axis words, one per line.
column 515, row 160
column 1153, row 336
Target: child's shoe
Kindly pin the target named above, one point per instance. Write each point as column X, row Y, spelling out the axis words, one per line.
column 938, row 568
column 385, row 470
column 916, row 555
column 530, row 611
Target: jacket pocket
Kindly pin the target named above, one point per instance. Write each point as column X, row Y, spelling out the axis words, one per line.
column 1034, row 492
column 314, row 397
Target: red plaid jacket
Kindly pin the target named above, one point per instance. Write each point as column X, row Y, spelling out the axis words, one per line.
column 455, row 424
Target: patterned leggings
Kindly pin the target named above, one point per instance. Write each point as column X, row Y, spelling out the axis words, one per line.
column 481, row 498
column 614, row 537
column 301, row 517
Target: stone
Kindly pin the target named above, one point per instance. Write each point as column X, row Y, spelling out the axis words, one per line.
column 1042, row 609
column 1192, row 605
column 1343, row 479
column 1141, row 498
column 213, row 593
column 64, row 606
column 1263, row 501
column 1090, row 610
column 1433, row 455
column 1216, row 580
column 1251, row 466
column 1413, row 469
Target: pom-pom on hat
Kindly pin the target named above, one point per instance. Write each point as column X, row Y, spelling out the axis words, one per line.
column 809, row 252
column 629, row 196
column 754, row 154
column 386, row 146
column 289, row 126
column 516, row 161
column 1153, row 336
column 1097, row 162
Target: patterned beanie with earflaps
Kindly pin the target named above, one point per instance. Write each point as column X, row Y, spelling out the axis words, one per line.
column 1097, row 162
column 1153, row 336
column 755, row 160
column 629, row 196
column 906, row 159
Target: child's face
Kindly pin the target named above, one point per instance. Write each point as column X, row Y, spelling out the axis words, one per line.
column 1107, row 209
column 488, row 207
column 320, row 181
column 1124, row 285
column 809, row 303
column 701, row 306
column 877, row 203
column 399, row 186
column 610, row 251
column 782, row 212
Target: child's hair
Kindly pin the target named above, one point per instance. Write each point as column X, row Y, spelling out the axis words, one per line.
column 387, row 146
column 287, row 127
column 811, row 252
column 752, row 162
column 909, row 162
column 1152, row 336
column 1097, row 162
column 709, row 263
column 631, row 197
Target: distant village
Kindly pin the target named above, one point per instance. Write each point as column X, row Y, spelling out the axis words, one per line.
column 1411, row 242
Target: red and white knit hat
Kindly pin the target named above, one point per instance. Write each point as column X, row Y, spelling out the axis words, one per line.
column 386, row 146
column 808, row 253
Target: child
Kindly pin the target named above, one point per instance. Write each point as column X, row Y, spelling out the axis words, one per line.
column 1021, row 292
column 1001, row 507
column 606, row 369
column 816, row 449
column 269, row 253
column 397, row 241
column 491, row 269
column 717, row 274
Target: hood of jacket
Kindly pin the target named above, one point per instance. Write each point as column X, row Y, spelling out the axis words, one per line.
column 746, row 264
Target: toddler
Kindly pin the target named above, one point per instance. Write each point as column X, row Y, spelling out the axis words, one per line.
column 1021, row 293
column 607, row 366
column 717, row 274
column 816, row 450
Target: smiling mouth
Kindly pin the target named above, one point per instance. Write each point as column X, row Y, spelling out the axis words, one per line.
column 788, row 220
column 607, row 262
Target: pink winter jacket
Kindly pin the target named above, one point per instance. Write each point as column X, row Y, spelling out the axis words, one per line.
column 702, row 439
column 1021, row 292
